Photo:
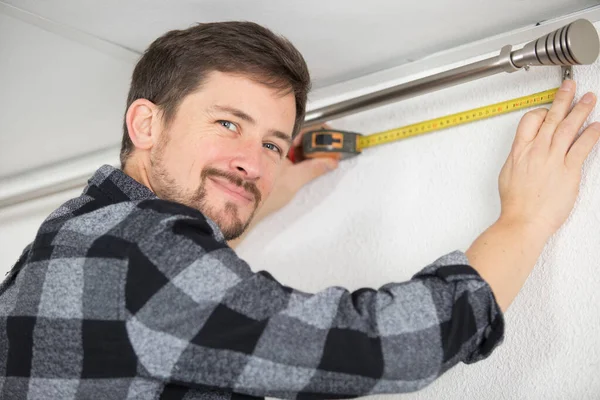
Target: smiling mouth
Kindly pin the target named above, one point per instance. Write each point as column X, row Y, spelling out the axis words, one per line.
column 233, row 190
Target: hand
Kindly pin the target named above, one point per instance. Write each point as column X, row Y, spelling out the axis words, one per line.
column 539, row 182
column 293, row 176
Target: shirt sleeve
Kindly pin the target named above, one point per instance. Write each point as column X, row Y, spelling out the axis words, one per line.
column 200, row 317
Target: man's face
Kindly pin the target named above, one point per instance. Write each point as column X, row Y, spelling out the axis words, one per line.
column 223, row 149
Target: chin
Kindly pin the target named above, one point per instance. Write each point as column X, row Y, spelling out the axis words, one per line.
column 228, row 219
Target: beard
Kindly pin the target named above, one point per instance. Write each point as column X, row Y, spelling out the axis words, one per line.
column 227, row 217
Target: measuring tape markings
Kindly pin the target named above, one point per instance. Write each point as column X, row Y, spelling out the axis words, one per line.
column 460, row 118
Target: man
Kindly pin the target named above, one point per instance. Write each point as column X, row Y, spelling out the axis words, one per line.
column 132, row 291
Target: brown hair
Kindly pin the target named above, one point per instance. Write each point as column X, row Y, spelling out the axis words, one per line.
column 176, row 63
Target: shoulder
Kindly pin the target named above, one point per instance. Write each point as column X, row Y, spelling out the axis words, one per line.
column 167, row 217
column 160, row 222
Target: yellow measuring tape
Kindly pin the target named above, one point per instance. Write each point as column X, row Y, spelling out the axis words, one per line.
column 460, row 118
column 345, row 144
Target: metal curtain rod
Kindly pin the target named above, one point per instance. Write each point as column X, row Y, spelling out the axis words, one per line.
column 574, row 44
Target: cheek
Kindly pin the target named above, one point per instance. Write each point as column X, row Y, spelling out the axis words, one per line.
column 182, row 159
column 269, row 182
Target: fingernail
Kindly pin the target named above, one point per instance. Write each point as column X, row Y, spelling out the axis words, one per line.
column 567, row 85
column 588, row 98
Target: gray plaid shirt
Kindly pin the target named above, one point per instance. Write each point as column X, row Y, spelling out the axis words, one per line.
column 125, row 296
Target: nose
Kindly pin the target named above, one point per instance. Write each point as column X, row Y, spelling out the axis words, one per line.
column 247, row 160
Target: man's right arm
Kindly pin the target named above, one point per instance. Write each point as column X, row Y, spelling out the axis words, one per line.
column 538, row 187
column 197, row 315
column 504, row 256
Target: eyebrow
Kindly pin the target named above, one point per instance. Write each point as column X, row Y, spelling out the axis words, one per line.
column 245, row 117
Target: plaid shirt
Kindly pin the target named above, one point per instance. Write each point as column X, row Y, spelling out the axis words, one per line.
column 126, row 296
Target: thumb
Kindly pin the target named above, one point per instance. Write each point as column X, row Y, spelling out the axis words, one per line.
column 307, row 170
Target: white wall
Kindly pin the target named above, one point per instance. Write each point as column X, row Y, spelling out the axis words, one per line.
column 383, row 216
column 55, row 99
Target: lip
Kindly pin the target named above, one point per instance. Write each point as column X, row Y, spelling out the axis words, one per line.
column 232, row 190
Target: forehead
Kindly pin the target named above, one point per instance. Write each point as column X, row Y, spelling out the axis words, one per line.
column 244, row 92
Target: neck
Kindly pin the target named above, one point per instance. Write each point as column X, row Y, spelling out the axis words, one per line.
column 137, row 170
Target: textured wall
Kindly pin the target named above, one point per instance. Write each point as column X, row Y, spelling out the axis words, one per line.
column 384, row 215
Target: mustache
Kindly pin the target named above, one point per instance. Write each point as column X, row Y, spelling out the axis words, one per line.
column 250, row 187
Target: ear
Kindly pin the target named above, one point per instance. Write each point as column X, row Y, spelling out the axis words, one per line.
column 141, row 117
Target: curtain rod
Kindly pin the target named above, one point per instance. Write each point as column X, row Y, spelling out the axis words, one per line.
column 574, row 44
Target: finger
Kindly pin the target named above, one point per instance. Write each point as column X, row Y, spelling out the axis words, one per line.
column 528, row 128
column 298, row 139
column 310, row 169
column 583, row 146
column 558, row 111
column 567, row 130
column 295, row 154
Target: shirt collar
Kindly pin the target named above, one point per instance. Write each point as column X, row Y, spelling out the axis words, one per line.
column 119, row 186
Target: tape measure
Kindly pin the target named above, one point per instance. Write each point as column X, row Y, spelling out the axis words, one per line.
column 345, row 144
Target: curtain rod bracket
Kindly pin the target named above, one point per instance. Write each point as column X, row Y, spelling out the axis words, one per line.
column 505, row 59
column 567, row 72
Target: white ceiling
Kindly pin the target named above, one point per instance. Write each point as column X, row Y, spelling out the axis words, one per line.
column 340, row 39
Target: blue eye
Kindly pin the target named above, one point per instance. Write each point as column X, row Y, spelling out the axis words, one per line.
column 273, row 147
column 228, row 125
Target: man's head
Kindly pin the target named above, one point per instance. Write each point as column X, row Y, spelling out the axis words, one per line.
column 211, row 113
